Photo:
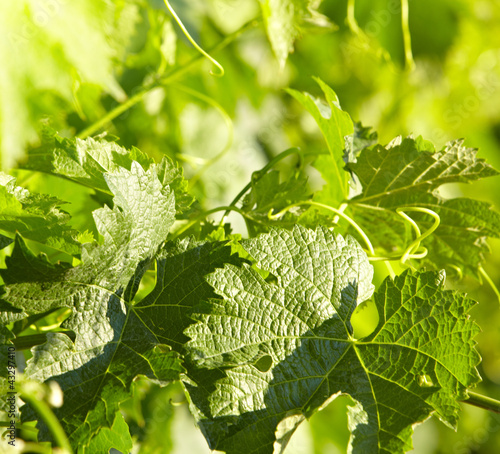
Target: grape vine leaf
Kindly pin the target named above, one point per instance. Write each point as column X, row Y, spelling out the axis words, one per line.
column 288, row 346
column 112, row 344
column 335, row 125
column 87, row 161
column 35, row 216
column 284, row 18
column 408, row 173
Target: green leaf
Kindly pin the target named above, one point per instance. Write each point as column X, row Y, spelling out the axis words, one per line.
column 283, row 20
column 180, row 285
column 289, row 350
column 117, row 437
column 87, row 161
column 112, row 344
column 269, row 195
column 36, row 217
column 408, row 173
column 335, row 125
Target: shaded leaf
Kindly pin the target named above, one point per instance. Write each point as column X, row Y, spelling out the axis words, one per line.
column 420, row 359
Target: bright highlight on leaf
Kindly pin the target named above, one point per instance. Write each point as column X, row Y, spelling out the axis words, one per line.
column 420, row 359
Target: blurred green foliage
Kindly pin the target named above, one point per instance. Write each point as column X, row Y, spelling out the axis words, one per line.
column 68, row 64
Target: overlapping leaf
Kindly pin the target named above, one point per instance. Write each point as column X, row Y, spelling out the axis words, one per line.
column 35, row 216
column 290, row 350
column 112, row 343
column 87, row 161
column 407, row 173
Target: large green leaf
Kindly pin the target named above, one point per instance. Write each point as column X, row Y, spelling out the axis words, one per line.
column 289, row 349
column 408, row 173
column 112, row 345
column 36, row 217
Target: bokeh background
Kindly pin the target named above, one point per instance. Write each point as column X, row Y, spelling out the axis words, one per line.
column 69, row 64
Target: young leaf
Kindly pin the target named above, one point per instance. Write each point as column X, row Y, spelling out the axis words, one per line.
column 35, row 216
column 112, row 344
column 283, row 21
column 407, row 173
column 335, row 124
column 289, row 348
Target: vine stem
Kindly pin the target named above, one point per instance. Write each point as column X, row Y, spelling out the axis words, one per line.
column 488, row 279
column 484, row 402
column 351, row 17
column 203, row 215
column 159, row 81
column 405, row 25
column 259, row 174
column 43, row 409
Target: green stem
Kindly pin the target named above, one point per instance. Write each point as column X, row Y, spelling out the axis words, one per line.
column 36, row 448
column 168, row 78
column 351, row 18
column 43, row 409
column 488, row 279
column 485, row 402
column 259, row 174
column 193, row 42
column 27, row 342
column 409, row 61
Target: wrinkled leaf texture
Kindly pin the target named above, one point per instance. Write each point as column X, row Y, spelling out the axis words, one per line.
column 289, row 349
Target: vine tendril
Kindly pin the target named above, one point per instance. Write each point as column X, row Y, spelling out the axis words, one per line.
column 337, row 212
column 411, row 250
column 259, row 174
column 177, row 19
column 405, row 25
column 488, row 279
